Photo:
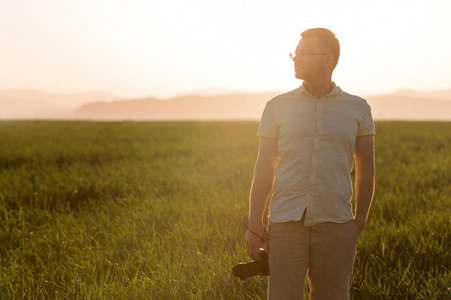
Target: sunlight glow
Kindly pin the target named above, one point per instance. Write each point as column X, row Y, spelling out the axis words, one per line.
column 168, row 47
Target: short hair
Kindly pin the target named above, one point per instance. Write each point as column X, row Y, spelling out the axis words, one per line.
column 326, row 37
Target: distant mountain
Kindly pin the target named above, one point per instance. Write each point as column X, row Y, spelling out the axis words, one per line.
column 394, row 107
column 31, row 104
column 401, row 105
column 35, row 104
column 412, row 105
column 438, row 95
column 188, row 107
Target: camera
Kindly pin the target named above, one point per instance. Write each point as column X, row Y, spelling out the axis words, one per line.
column 256, row 267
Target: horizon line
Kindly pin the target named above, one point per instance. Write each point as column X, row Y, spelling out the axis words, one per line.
column 201, row 92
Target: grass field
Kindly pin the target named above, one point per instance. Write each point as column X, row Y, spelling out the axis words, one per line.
column 159, row 211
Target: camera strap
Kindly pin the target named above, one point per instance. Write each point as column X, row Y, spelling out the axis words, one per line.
column 261, row 237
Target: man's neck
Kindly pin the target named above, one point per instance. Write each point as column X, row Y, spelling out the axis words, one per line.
column 318, row 88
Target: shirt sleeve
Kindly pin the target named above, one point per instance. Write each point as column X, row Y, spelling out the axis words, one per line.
column 268, row 124
column 366, row 124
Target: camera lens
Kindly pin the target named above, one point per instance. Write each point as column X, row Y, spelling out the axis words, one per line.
column 256, row 267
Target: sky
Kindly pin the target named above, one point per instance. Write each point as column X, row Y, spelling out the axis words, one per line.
column 164, row 48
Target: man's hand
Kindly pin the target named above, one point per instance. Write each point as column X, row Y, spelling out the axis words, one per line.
column 254, row 241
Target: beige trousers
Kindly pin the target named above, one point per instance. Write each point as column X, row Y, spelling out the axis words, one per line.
column 326, row 250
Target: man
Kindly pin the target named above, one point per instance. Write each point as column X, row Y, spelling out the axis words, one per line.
column 309, row 139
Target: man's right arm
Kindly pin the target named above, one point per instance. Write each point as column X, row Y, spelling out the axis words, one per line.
column 262, row 183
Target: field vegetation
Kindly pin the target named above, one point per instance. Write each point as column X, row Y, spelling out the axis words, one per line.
column 159, row 211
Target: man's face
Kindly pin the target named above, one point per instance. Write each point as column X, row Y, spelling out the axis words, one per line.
column 310, row 59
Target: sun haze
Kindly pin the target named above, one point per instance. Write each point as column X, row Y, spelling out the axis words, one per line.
column 163, row 47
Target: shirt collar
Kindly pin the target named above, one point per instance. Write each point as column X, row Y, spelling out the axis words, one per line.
column 335, row 90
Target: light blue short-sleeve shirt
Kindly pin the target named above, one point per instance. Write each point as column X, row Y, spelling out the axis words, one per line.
column 316, row 145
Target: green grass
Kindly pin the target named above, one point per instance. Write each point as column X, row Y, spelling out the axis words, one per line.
column 159, row 211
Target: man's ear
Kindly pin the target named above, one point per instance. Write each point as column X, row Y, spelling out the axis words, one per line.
column 330, row 61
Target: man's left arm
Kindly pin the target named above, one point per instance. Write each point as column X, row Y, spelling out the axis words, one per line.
column 364, row 178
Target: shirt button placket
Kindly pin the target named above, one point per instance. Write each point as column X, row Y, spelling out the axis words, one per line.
column 314, row 162
column 316, row 141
